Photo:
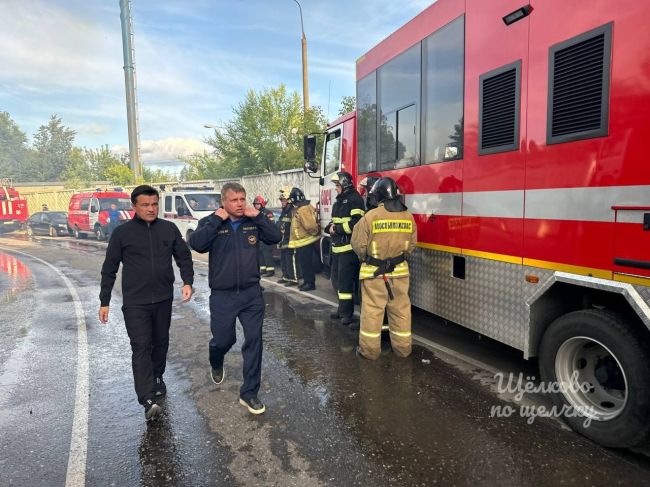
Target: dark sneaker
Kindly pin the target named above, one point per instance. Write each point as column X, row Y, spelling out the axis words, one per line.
column 291, row 283
column 335, row 316
column 217, row 375
column 282, row 280
column 307, row 287
column 354, row 325
column 159, row 387
column 151, row 410
column 254, row 405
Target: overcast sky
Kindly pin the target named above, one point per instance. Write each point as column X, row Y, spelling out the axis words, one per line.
column 195, row 59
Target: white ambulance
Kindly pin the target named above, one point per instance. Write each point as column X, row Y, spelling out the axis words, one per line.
column 185, row 206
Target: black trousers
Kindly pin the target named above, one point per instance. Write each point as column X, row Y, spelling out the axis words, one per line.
column 289, row 265
column 225, row 307
column 345, row 278
column 148, row 328
column 305, row 256
column 265, row 257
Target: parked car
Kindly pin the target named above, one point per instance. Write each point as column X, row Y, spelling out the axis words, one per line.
column 88, row 212
column 52, row 223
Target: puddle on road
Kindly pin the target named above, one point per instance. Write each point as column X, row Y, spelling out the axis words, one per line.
column 15, row 276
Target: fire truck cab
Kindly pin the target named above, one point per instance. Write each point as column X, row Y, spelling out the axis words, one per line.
column 88, row 211
column 13, row 208
column 518, row 137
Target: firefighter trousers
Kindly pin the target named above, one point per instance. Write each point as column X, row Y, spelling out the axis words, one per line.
column 289, row 266
column 305, row 257
column 345, row 276
column 265, row 257
column 225, row 307
column 374, row 300
column 148, row 328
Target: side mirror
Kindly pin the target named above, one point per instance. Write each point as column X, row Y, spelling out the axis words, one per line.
column 310, row 167
column 309, row 148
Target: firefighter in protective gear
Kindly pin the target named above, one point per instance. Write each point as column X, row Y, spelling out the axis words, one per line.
column 264, row 252
column 287, row 255
column 384, row 239
column 365, row 185
column 346, row 212
column 304, row 232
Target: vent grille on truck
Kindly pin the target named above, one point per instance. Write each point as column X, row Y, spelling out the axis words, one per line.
column 499, row 110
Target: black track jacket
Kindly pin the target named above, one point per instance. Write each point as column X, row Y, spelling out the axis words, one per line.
column 145, row 251
column 233, row 254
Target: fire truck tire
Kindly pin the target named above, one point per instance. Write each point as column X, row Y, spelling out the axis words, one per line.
column 99, row 233
column 188, row 234
column 610, row 366
column 78, row 234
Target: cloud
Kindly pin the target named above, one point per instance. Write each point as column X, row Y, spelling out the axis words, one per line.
column 168, row 149
column 94, row 129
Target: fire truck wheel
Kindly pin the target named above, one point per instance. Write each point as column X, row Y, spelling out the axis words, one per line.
column 99, row 233
column 188, row 235
column 598, row 372
column 77, row 234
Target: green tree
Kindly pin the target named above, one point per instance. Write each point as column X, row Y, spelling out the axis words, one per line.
column 155, row 175
column 52, row 144
column 348, row 104
column 79, row 173
column 13, row 149
column 119, row 174
column 265, row 134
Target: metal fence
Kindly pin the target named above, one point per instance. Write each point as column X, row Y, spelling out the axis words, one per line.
column 268, row 185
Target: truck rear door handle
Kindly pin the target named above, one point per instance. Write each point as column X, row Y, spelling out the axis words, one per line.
column 646, row 222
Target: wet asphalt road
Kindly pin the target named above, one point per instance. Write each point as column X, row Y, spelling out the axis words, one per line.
column 331, row 419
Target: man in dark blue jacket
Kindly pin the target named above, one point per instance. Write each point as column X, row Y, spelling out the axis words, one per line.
column 232, row 235
column 145, row 247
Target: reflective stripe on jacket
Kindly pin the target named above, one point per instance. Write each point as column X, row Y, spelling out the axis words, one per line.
column 346, row 212
column 384, row 234
column 304, row 226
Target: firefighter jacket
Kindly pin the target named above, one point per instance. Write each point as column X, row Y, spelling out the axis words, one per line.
column 284, row 225
column 346, row 212
column 233, row 263
column 304, row 226
column 383, row 235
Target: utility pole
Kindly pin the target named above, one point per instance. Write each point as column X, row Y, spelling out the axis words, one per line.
column 130, row 84
column 305, row 79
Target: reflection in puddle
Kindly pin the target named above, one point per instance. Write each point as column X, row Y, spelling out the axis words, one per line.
column 15, row 276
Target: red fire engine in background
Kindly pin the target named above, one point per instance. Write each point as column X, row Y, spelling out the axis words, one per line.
column 518, row 136
column 13, row 208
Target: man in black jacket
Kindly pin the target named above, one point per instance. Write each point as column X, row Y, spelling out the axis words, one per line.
column 232, row 235
column 145, row 247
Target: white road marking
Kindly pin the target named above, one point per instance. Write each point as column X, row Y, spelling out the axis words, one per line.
column 76, row 475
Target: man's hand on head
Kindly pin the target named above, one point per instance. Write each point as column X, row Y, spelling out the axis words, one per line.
column 221, row 213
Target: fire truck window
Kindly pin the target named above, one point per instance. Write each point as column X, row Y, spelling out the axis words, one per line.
column 333, row 152
column 84, row 204
column 168, row 203
column 367, row 123
column 406, row 136
column 181, row 207
column 443, row 60
column 399, row 88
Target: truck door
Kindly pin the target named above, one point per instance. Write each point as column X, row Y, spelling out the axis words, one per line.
column 182, row 214
column 632, row 241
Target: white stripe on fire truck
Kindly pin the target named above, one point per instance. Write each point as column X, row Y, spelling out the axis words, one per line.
column 578, row 204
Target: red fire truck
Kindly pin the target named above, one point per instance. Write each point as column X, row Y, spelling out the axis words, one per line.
column 517, row 135
column 13, row 208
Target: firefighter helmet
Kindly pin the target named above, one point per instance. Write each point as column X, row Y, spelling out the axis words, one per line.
column 284, row 192
column 260, row 201
column 384, row 189
column 343, row 178
column 296, row 195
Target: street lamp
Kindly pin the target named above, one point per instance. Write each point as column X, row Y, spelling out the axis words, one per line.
column 305, row 80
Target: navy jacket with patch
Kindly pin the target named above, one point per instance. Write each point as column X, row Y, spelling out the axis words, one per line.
column 233, row 253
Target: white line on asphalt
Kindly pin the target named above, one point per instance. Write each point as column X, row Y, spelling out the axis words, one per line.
column 76, row 475
column 423, row 341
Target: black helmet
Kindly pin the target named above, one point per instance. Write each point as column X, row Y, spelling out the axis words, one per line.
column 344, row 179
column 296, row 195
column 384, row 189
